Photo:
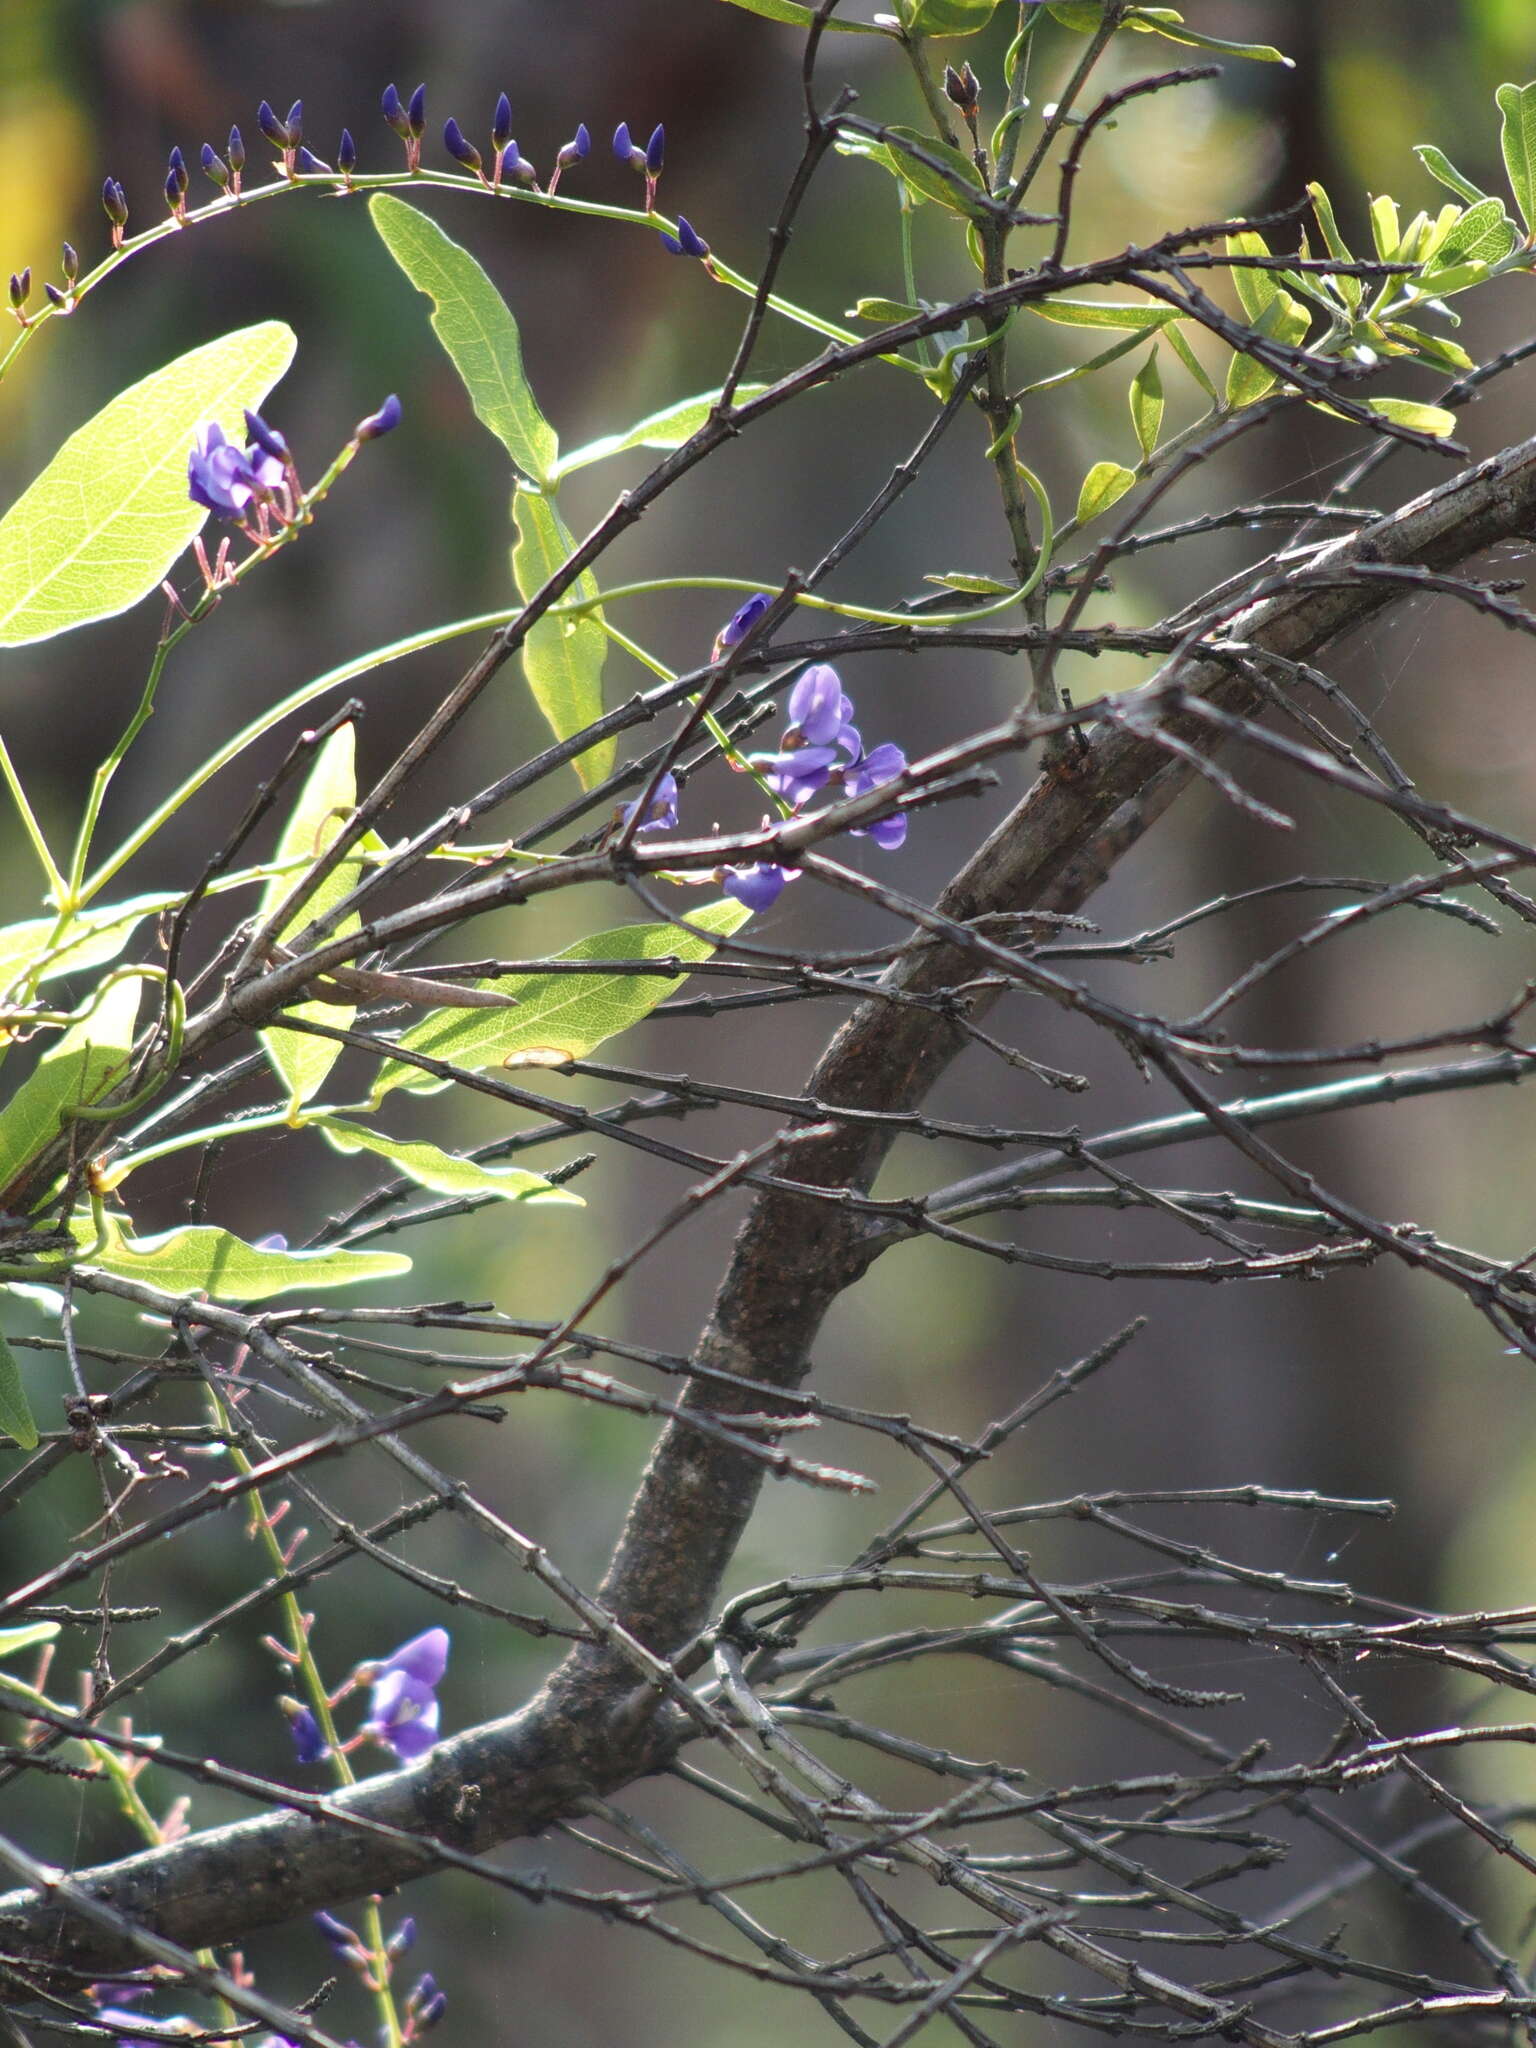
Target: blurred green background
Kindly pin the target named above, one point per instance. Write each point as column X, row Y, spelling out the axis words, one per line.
column 1374, row 1383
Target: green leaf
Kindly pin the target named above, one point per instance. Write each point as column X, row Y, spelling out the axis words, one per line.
column 1116, row 349
column 1147, row 403
column 1179, row 342
column 1103, row 484
column 471, row 320
column 1350, row 289
column 446, row 1173
column 1440, row 167
column 946, row 17
column 561, row 1016
column 16, row 1421
column 89, row 1059
column 798, row 16
column 93, row 937
column 324, row 804
column 28, row 1636
column 886, row 311
column 926, row 182
column 203, row 1260
column 1434, row 351
column 1409, row 412
column 1484, row 234
column 1517, row 103
column 102, row 525
column 1386, row 227
column 669, row 428
column 1103, row 313
column 562, row 657
column 1284, row 320
column 1256, row 289
column 1164, row 21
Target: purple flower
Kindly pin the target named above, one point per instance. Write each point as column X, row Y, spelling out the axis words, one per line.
column 872, row 771
column 686, row 242
column 655, row 151
column 741, row 622
column 225, row 478
column 266, row 438
column 760, row 886
column 660, row 812
column 336, row 1934
column 403, row 1708
column 818, row 741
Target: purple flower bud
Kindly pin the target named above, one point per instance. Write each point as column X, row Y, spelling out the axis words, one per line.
column 760, row 886
column 21, row 288
column 623, row 148
column 577, row 149
column 425, row 1987
column 270, row 442
column 459, row 146
column 274, row 1241
column 416, row 112
column 432, row 2011
column 55, row 298
column 179, row 170
column 295, row 124
column 309, row 1744
column 336, row 1934
column 214, row 166
column 235, row 150
column 655, row 151
column 115, row 206
column 346, row 153
column 394, row 112
column 403, row 1937
column 70, row 263
column 384, row 421
column 661, row 812
column 501, row 122
column 173, row 198
column 741, row 622
column 306, row 161
column 274, row 130
column 686, row 242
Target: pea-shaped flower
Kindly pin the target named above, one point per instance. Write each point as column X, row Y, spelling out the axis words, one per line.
column 403, row 1707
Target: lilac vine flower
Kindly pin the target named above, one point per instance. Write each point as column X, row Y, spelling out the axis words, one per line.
column 228, row 479
column 741, row 622
column 687, row 241
column 309, row 1743
column 403, row 1707
column 819, row 742
column 661, row 812
column 760, row 886
column 871, row 771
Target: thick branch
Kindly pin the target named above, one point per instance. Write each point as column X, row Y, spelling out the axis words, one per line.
column 791, row 1260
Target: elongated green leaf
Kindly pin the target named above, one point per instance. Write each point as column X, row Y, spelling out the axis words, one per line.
column 562, row 658
column 1440, row 167
column 323, row 807
column 946, row 17
column 203, row 1260
column 1103, row 313
column 971, row 586
column 1147, row 403
column 669, row 428
column 1168, row 23
column 1350, row 289
column 16, row 1420
column 1256, row 289
column 1517, row 103
column 1434, row 351
column 90, row 1058
column 887, row 311
column 954, row 192
column 1179, row 342
column 1116, row 349
column 1386, row 226
column 93, row 937
column 1403, row 412
column 109, row 515
column 1285, row 320
column 471, row 320
column 798, row 16
column 445, row 1172
column 27, row 1637
column 1103, row 484
column 562, row 1016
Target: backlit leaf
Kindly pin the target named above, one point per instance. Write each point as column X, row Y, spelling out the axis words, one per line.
column 446, row 1173
column 202, row 1260
column 89, row 1059
column 16, row 1420
column 1517, row 103
column 562, row 657
column 669, row 428
column 1104, row 483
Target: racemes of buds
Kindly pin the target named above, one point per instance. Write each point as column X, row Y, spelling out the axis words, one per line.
column 647, row 161
column 409, row 121
column 177, row 172
column 506, row 162
column 576, row 151
column 115, row 207
column 21, row 291
column 687, row 241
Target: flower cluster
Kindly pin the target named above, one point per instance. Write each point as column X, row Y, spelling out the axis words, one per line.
column 228, row 479
column 819, row 749
column 403, row 1708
